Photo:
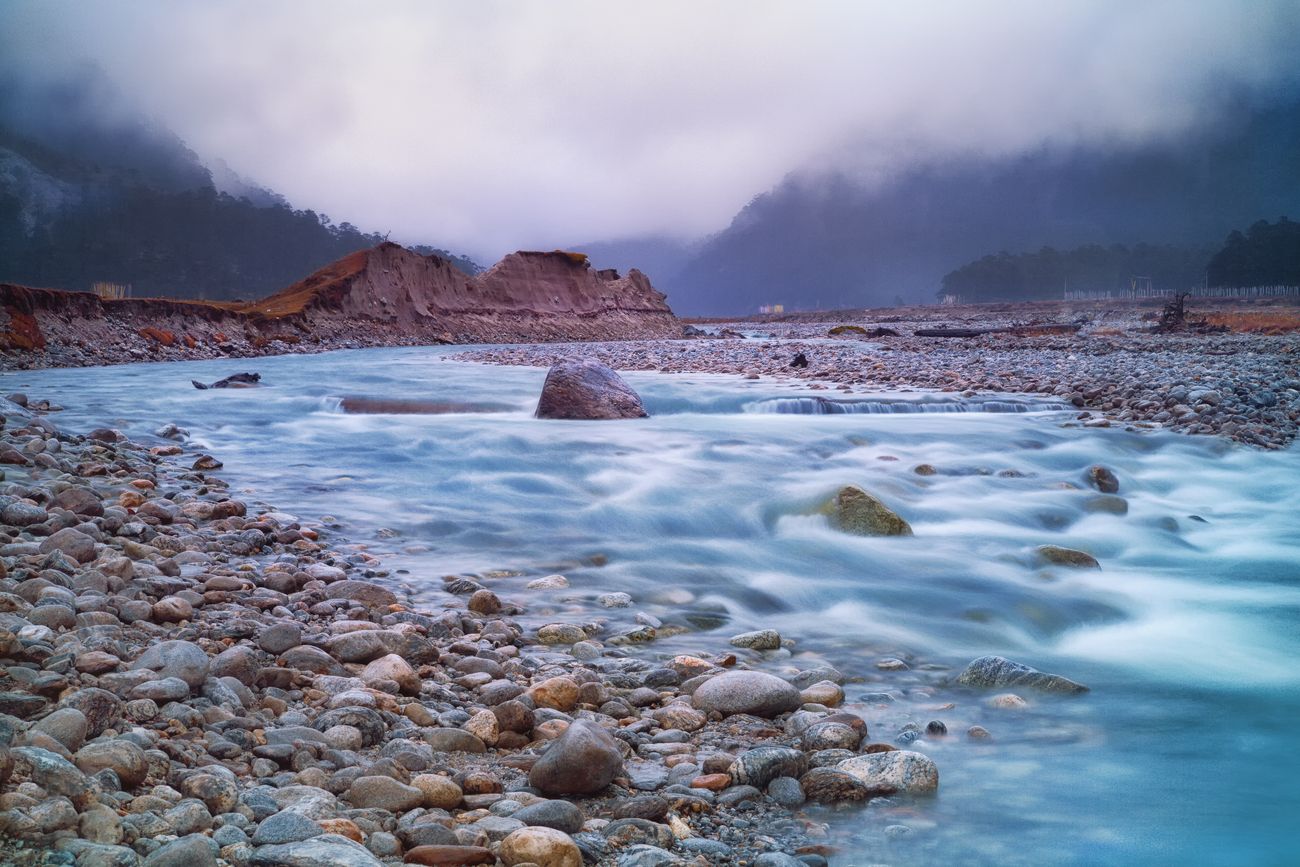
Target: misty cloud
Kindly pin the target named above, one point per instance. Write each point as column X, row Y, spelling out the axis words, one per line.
column 490, row 126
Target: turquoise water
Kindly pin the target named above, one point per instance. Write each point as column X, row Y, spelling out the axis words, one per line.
column 706, row 513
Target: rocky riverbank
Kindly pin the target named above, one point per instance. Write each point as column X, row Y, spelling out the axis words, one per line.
column 192, row 679
column 384, row 296
column 1243, row 386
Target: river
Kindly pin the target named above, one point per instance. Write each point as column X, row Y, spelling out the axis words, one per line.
column 706, row 514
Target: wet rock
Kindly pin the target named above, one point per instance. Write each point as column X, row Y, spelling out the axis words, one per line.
column 583, row 761
column 545, row 847
column 561, row 633
column 823, row 692
column 785, row 791
column 894, row 772
column 761, row 765
column 830, row 735
column 750, row 692
column 855, row 511
column 996, row 672
column 763, row 639
column 1059, row 556
column 828, row 785
column 1103, row 479
column 586, row 389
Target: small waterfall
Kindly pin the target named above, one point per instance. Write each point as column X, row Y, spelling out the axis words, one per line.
column 883, row 406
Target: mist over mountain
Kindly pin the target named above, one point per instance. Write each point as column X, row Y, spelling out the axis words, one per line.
column 832, row 241
column 93, row 190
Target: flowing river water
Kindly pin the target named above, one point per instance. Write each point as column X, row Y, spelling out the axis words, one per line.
column 706, row 514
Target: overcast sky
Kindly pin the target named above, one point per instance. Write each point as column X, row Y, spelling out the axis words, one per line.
column 489, row 126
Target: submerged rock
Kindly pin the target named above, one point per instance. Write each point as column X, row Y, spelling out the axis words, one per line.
column 1103, row 479
column 1059, row 556
column 996, row 672
column 855, row 511
column 586, row 389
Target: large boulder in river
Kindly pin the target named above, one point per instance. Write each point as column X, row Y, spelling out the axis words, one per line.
column 996, row 672
column 586, row 389
column 855, row 511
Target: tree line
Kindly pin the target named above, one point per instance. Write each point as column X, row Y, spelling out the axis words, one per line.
column 196, row 243
column 1267, row 254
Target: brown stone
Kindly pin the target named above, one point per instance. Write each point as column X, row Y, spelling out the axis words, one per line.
column 450, row 856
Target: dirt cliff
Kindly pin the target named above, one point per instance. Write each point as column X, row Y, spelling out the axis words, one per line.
column 386, row 295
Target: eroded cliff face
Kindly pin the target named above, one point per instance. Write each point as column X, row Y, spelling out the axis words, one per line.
column 386, row 295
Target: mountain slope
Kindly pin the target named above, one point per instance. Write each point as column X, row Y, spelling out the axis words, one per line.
column 92, row 191
column 831, row 243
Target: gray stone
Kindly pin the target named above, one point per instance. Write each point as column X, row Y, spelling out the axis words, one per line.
column 327, row 850
column 162, row 690
column 66, row 725
column 583, row 388
column 643, row 855
column 763, row 639
column 282, row 636
column 384, row 793
column 182, row 659
column 786, row 791
column 996, row 672
column 750, row 692
column 119, row 755
column 761, row 765
column 894, row 772
column 286, row 826
column 778, row 859
column 194, row 850
column 560, row 815
column 52, row 772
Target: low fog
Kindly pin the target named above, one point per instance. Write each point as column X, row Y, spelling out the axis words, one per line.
column 494, row 126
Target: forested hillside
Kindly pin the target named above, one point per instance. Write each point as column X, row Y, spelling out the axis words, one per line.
column 88, row 195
